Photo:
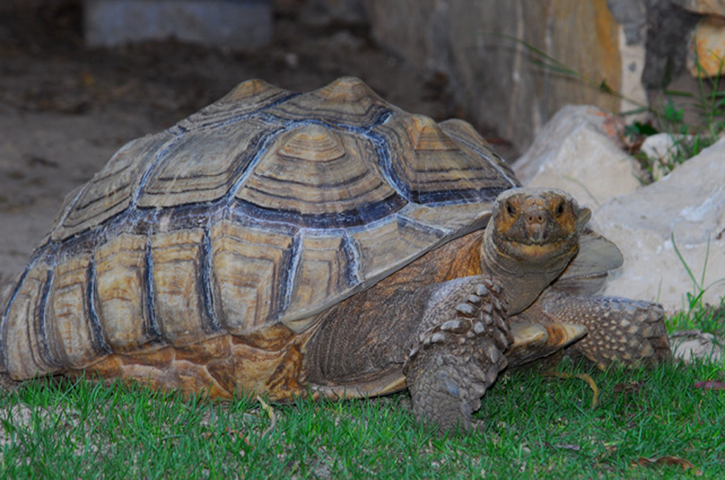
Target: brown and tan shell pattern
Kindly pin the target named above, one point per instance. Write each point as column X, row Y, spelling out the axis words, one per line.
column 252, row 215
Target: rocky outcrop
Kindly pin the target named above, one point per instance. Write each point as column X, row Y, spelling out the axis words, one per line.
column 478, row 45
column 683, row 212
column 494, row 53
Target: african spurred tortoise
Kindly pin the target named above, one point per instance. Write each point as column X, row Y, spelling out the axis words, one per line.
column 324, row 243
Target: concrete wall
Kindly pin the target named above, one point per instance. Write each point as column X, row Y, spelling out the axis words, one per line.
column 230, row 23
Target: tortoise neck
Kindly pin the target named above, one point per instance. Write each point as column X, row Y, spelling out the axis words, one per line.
column 522, row 282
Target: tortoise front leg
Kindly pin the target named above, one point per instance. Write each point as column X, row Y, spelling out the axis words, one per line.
column 620, row 329
column 458, row 352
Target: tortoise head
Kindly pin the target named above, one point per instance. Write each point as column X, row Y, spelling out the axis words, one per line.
column 537, row 226
column 532, row 236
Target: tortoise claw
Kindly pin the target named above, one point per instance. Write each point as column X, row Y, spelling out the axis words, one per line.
column 532, row 341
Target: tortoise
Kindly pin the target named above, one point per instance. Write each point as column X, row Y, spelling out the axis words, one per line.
column 326, row 244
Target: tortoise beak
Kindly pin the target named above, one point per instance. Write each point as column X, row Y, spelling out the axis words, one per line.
column 537, row 226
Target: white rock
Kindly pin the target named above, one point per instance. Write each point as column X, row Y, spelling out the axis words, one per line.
column 575, row 152
column 694, row 344
column 688, row 205
column 662, row 148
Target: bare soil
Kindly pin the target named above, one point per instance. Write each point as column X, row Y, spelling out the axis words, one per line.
column 65, row 108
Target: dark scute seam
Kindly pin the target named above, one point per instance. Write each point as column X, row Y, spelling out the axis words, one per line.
column 151, row 325
column 471, row 195
column 210, row 322
column 152, row 168
column 350, row 218
column 41, row 327
column 289, row 274
column 352, row 260
column 382, row 148
column 6, row 313
column 38, row 254
column 98, row 342
column 244, row 169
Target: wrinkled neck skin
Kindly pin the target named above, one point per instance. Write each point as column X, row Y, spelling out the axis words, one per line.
column 522, row 282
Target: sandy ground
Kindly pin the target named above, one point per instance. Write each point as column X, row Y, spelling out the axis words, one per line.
column 65, row 108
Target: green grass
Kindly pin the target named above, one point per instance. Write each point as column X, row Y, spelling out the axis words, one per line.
column 696, row 314
column 530, row 426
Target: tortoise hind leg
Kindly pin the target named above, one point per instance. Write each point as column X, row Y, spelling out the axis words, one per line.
column 458, row 352
column 620, row 329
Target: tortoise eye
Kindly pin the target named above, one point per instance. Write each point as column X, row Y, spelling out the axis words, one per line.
column 510, row 209
column 559, row 209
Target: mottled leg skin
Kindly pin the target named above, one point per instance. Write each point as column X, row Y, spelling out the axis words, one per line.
column 620, row 329
column 459, row 352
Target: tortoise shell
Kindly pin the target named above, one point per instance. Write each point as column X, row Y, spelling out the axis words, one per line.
column 263, row 209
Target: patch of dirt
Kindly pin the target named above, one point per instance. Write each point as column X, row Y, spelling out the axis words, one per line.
column 65, row 108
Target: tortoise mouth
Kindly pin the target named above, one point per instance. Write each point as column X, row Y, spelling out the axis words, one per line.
column 532, row 250
column 541, row 241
